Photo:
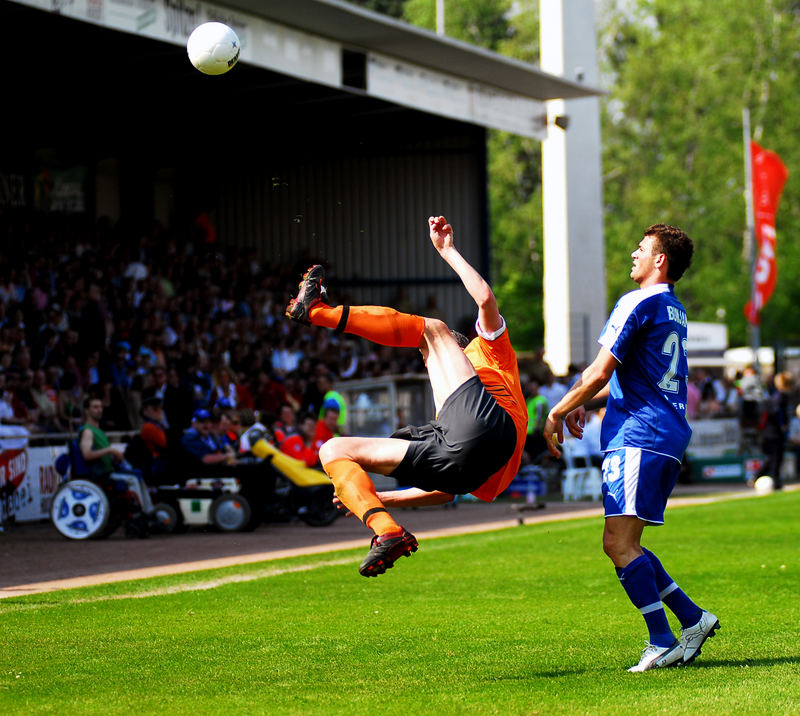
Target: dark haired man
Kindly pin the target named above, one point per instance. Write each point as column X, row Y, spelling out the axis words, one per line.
column 475, row 444
column 102, row 459
column 96, row 449
column 641, row 374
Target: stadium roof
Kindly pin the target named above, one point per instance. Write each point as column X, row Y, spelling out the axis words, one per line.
column 366, row 30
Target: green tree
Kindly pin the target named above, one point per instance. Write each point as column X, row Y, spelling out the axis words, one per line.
column 481, row 22
column 394, row 8
column 680, row 72
column 515, row 201
column 515, row 166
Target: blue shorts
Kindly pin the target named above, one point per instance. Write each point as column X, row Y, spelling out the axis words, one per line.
column 638, row 483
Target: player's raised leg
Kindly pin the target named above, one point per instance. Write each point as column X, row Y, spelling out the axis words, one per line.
column 447, row 365
column 344, row 460
column 379, row 324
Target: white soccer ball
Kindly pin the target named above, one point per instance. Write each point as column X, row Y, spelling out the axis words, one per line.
column 764, row 485
column 213, row 48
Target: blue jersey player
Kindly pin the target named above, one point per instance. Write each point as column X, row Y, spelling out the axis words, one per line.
column 640, row 375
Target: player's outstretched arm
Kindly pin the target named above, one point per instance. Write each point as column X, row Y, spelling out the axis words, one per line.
column 442, row 238
column 592, row 381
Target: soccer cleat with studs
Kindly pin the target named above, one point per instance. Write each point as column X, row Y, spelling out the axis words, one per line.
column 656, row 657
column 385, row 550
column 311, row 293
column 692, row 638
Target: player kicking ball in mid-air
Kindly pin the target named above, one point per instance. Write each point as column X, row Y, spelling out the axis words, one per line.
column 475, row 443
column 640, row 375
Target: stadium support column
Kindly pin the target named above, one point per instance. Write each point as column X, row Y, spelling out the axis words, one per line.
column 574, row 254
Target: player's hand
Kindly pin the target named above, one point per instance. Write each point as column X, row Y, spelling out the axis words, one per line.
column 575, row 422
column 117, row 455
column 554, row 434
column 441, row 232
column 341, row 506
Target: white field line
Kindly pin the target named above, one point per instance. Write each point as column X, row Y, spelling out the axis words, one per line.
column 190, row 586
column 218, row 563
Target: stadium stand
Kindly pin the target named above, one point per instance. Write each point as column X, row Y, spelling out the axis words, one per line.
column 108, row 311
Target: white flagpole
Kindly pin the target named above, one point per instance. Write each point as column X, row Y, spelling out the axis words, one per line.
column 755, row 329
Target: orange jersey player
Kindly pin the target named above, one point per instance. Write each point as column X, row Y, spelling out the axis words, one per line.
column 475, row 443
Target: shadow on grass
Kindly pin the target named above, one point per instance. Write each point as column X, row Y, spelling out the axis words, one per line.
column 713, row 663
column 704, row 664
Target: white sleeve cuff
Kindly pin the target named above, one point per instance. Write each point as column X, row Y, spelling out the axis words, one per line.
column 490, row 336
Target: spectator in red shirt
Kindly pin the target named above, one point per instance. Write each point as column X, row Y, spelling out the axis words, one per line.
column 243, row 396
column 327, row 426
column 148, row 450
column 302, row 444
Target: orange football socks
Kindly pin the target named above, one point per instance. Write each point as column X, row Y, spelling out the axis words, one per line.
column 378, row 324
column 356, row 491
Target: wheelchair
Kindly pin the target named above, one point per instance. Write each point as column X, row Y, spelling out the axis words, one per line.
column 91, row 507
column 273, row 488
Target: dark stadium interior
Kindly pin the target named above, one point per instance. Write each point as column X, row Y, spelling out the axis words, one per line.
column 70, row 83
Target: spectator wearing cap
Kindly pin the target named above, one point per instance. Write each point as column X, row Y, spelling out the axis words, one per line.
column 199, row 440
column 120, row 368
column 329, row 396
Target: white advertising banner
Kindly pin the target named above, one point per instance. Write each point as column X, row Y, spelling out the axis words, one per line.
column 28, row 476
column 706, row 336
column 714, row 438
column 28, row 480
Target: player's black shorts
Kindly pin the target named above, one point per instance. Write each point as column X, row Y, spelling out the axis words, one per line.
column 472, row 439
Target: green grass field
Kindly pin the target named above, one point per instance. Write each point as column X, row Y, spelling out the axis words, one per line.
column 520, row 621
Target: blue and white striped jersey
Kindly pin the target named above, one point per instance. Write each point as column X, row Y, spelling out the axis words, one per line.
column 646, row 333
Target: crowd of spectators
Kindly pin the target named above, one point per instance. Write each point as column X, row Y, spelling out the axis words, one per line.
column 99, row 310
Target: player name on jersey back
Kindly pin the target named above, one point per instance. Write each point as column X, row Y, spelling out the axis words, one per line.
column 675, row 314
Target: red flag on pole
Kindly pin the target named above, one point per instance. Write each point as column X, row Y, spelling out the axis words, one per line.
column 769, row 177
